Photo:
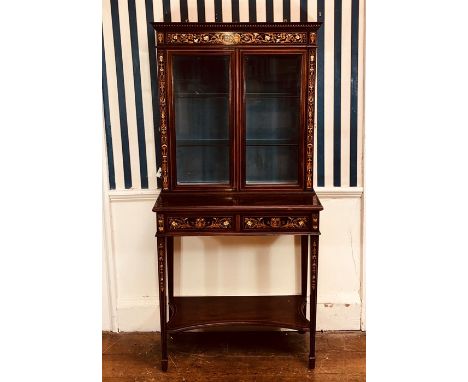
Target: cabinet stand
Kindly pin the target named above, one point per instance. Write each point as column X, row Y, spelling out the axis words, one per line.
column 258, row 214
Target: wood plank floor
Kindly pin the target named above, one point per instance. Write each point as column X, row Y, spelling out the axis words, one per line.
column 234, row 356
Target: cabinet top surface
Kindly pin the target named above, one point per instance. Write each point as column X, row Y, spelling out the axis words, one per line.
column 290, row 26
column 237, row 201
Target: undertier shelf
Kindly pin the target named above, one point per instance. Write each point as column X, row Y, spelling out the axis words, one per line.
column 277, row 311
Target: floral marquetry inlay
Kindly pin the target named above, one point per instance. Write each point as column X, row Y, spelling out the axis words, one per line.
column 314, row 262
column 163, row 119
column 282, row 222
column 161, row 264
column 315, row 222
column 310, row 120
column 234, row 38
column 200, row 223
column 160, row 223
column 313, row 37
column 160, row 38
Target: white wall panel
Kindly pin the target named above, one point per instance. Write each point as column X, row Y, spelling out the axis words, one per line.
column 133, row 229
column 106, row 305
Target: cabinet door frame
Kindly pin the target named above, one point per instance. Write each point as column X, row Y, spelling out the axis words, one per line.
column 233, row 178
column 241, row 118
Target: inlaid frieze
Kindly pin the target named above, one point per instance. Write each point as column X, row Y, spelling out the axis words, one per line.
column 200, row 223
column 236, row 38
column 280, row 222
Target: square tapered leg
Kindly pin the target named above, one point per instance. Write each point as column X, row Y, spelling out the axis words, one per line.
column 162, row 299
column 314, row 241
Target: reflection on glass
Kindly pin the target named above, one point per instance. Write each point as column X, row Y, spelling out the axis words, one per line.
column 272, row 117
column 202, row 164
column 201, row 100
column 271, row 164
column 272, row 101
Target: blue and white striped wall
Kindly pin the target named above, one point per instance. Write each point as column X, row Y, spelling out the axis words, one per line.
column 130, row 91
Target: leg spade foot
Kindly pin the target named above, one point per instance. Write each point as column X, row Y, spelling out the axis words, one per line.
column 164, row 364
column 311, row 362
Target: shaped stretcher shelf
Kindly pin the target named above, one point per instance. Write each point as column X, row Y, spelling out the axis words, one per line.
column 277, row 311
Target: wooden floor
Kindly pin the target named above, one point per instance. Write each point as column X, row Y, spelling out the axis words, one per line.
column 234, row 357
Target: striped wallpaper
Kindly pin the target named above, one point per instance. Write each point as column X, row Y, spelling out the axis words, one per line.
column 129, row 82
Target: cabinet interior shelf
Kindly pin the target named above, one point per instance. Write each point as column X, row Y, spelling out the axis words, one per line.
column 288, row 95
column 202, row 142
column 271, row 142
column 278, row 311
column 249, row 142
column 200, row 95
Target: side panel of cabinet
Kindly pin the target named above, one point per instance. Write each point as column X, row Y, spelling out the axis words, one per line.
column 186, row 153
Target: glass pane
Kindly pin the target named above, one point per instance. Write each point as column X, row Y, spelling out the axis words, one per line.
column 272, row 117
column 202, row 117
column 271, row 164
column 272, row 101
column 201, row 100
column 202, row 164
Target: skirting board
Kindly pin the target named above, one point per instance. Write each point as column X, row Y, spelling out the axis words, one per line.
column 143, row 316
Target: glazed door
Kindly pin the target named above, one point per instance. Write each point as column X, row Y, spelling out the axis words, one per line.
column 202, row 119
column 273, row 93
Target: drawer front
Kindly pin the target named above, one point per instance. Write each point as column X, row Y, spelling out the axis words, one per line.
column 179, row 223
column 200, row 223
column 276, row 223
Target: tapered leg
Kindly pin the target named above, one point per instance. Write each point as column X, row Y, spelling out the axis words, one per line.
column 170, row 268
column 162, row 299
column 304, row 253
column 314, row 242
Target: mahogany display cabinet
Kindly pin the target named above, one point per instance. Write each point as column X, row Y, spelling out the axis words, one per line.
column 237, row 143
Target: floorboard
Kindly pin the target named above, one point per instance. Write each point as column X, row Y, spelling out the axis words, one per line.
column 234, row 356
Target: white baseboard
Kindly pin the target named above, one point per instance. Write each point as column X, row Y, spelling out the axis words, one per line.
column 145, row 318
column 142, row 314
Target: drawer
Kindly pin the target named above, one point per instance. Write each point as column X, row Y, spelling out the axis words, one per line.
column 199, row 223
column 276, row 223
column 179, row 223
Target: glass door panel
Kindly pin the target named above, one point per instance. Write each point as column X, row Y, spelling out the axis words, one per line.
column 271, row 164
column 201, row 90
column 272, row 118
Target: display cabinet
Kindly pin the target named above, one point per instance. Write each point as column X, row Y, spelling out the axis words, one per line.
column 237, row 142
